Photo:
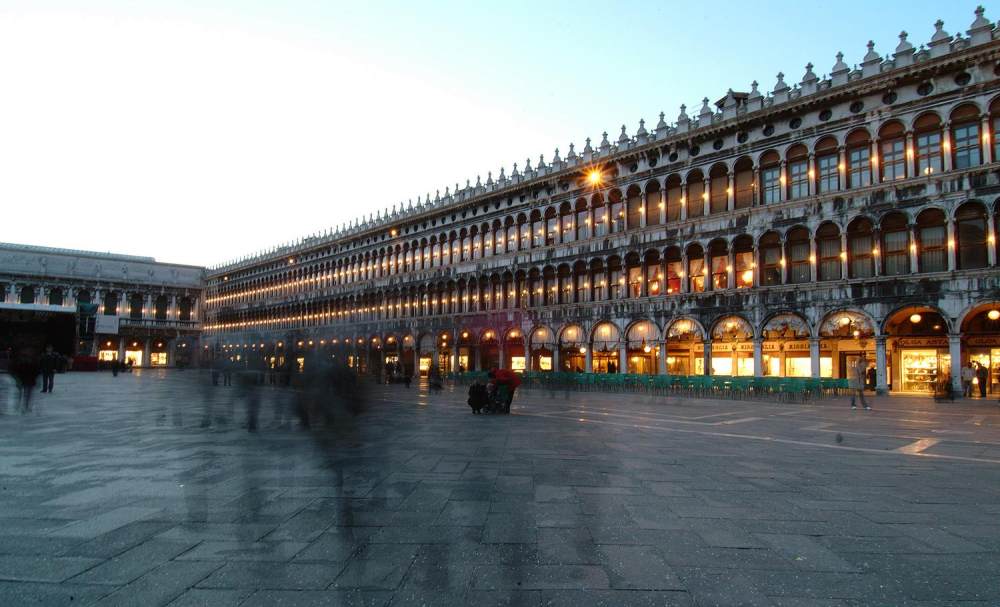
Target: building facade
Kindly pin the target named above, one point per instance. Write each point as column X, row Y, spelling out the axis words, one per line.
column 778, row 234
column 114, row 307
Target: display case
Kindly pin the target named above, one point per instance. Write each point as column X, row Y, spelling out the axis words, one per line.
column 919, row 370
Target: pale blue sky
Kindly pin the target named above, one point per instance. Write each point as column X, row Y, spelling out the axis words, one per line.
column 198, row 131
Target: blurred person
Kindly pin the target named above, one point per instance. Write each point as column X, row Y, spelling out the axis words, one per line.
column 967, row 376
column 25, row 369
column 983, row 375
column 856, row 381
column 49, row 364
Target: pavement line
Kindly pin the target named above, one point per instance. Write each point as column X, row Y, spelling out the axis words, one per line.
column 738, row 421
column 919, row 446
column 771, row 439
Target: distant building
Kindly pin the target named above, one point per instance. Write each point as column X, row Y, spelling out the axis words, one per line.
column 780, row 233
column 115, row 307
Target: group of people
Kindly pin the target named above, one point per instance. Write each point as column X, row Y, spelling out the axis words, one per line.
column 496, row 395
column 978, row 372
column 26, row 367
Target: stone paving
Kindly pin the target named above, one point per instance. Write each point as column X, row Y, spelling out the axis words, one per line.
column 148, row 490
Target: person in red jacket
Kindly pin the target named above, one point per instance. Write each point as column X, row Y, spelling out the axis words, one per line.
column 509, row 379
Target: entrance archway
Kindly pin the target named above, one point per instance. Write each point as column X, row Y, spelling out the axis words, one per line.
column 604, row 344
column 425, row 354
column 542, row 345
column 845, row 334
column 643, row 345
column 685, row 347
column 732, row 347
column 785, row 348
column 572, row 349
column 514, row 351
column 489, row 348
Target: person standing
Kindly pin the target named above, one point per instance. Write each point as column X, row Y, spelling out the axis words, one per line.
column 967, row 374
column 48, row 363
column 983, row 375
column 856, row 382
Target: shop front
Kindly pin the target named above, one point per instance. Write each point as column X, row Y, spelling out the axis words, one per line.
column 444, row 351
column 425, row 355
column 514, row 352
column 466, row 352
column 108, row 348
column 981, row 345
column 542, row 346
column 604, row 347
column 158, row 356
column 572, row 350
column 785, row 348
column 918, row 351
column 685, row 348
column 489, row 350
column 133, row 352
column 643, row 349
column 732, row 347
column 408, row 355
column 844, row 336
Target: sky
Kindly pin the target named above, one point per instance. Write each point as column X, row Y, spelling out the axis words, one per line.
column 199, row 131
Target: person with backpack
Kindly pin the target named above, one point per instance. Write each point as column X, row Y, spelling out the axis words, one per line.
column 478, row 397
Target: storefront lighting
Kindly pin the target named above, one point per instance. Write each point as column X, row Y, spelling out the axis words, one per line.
column 583, row 350
column 993, row 314
column 916, row 318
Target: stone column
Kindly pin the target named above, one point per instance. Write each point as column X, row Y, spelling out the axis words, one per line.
column 662, row 362
column 991, row 244
column 911, row 156
column 813, row 260
column 146, row 354
column 811, row 175
column 172, row 353
column 731, row 269
column 706, row 198
column 814, row 356
column 844, row 268
column 881, row 368
column 623, row 356
column 986, row 139
column 476, row 363
column 946, row 157
column 955, row 350
column 951, row 247
column 502, row 351
column 783, row 181
column 588, row 361
column 684, row 201
column 707, row 346
column 731, row 192
column 555, row 358
column 758, row 358
column 842, row 168
column 914, row 258
column 876, row 171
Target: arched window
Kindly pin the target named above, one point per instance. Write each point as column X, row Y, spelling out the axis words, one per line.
column 798, row 172
column 932, row 239
column 616, row 208
column 859, row 165
column 511, row 238
column 675, row 270
column 616, row 281
column 696, row 268
column 895, row 245
column 525, row 236
column 696, row 196
column 654, row 273
column 184, row 309
column 598, row 280
column 743, row 197
column 634, row 208
column 970, row 224
column 568, row 233
column 675, row 196
column 582, row 220
column 582, row 282
column 551, row 227
column 654, row 203
column 719, row 189
column 927, row 131
column 83, row 297
column 110, row 303
column 135, row 306
column 827, row 166
column 160, row 308
column 55, row 297
column 743, row 261
column 797, row 255
column 770, row 177
column 718, row 254
column 893, row 151
column 634, row 271
column 965, row 137
column 995, row 120
column 537, row 229
column 27, row 295
column 828, row 246
column 860, row 247
column 600, row 215
column 770, row 259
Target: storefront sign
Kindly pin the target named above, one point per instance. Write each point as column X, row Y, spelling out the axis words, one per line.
column 983, row 340
column 798, row 346
column 739, row 347
column 921, row 342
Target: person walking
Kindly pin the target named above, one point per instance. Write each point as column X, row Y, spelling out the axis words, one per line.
column 983, row 375
column 856, row 382
column 967, row 375
column 25, row 369
column 48, row 363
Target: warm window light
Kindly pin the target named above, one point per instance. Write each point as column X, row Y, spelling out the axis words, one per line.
column 993, row 314
column 916, row 318
column 843, row 255
column 875, row 252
